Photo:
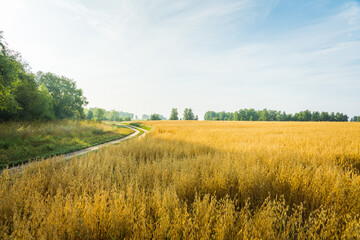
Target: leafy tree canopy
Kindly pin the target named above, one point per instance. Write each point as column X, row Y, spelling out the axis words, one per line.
column 174, row 114
column 11, row 67
column 188, row 114
column 68, row 99
column 272, row 115
column 155, row 116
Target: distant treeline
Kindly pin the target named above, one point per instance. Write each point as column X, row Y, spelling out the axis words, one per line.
column 355, row 119
column 273, row 115
column 154, row 116
column 26, row 96
column 99, row 114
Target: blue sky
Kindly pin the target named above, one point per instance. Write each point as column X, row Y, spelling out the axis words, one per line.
column 207, row 55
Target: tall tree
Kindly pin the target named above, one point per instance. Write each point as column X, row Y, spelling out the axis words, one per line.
column 33, row 103
column 114, row 115
column 145, row 117
column 355, row 119
column 68, row 99
column 89, row 114
column 99, row 114
column 174, row 114
column 188, row 114
column 11, row 67
column 155, row 116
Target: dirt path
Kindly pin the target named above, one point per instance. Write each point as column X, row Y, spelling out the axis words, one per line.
column 93, row 148
column 86, row 150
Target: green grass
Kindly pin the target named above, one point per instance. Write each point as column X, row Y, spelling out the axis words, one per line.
column 141, row 132
column 139, row 125
column 21, row 142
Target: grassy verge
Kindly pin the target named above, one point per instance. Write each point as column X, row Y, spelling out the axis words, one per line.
column 139, row 125
column 141, row 132
column 21, row 142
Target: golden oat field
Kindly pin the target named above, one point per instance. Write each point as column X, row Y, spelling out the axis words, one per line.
column 195, row 180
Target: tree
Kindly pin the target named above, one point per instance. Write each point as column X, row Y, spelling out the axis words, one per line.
column 174, row 114
column 315, row 116
column 126, row 114
column 332, row 117
column 355, row 119
column 145, row 117
column 155, row 116
column 11, row 67
column 33, row 102
column 272, row 115
column 210, row 115
column 99, row 114
column 264, row 115
column 114, row 116
column 188, row 114
column 68, row 99
column 89, row 115
column 47, row 103
column 324, row 116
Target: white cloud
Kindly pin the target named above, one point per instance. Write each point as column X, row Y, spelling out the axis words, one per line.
column 191, row 53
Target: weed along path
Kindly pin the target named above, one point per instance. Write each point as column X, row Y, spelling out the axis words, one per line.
column 138, row 132
column 93, row 148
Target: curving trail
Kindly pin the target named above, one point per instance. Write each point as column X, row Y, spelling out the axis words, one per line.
column 96, row 147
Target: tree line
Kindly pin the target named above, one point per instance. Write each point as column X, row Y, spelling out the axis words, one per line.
column 273, row 115
column 100, row 114
column 28, row 96
column 355, row 119
column 187, row 115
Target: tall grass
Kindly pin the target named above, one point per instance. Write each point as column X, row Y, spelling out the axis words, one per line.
column 23, row 141
column 196, row 180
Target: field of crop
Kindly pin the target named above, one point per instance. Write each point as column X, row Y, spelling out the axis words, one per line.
column 196, row 180
column 24, row 141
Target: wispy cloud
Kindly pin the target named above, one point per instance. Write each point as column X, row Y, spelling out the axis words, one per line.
column 207, row 48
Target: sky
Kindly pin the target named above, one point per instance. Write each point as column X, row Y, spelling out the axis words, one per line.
column 149, row 56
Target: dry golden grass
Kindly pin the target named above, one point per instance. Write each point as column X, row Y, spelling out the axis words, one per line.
column 196, row 180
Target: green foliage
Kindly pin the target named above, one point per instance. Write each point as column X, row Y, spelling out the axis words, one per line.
column 23, row 141
column 35, row 103
column 188, row 114
column 140, row 125
column 155, row 116
column 126, row 114
column 272, row 115
column 145, row 117
column 355, row 119
column 10, row 69
column 26, row 98
column 89, row 114
column 113, row 115
column 68, row 99
column 99, row 114
column 174, row 114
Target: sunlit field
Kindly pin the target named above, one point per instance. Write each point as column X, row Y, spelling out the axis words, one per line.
column 21, row 142
column 195, row 180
